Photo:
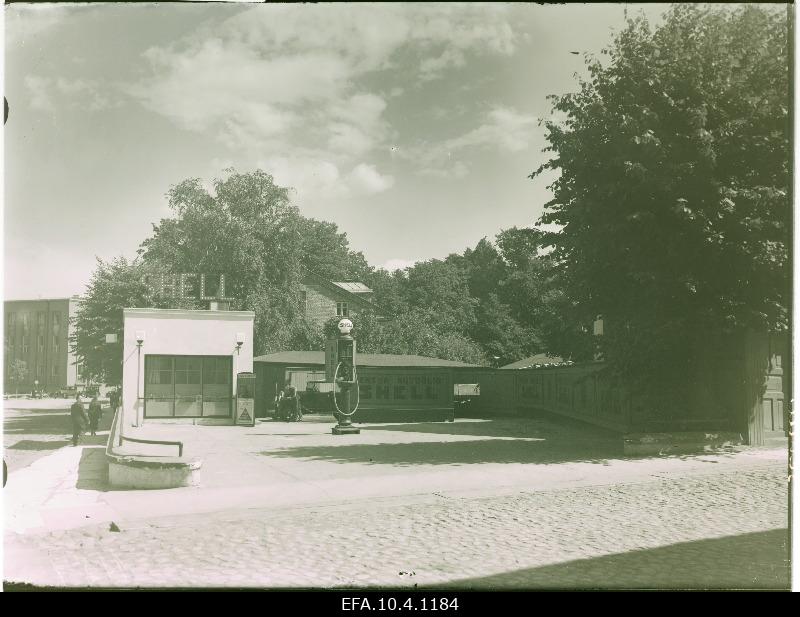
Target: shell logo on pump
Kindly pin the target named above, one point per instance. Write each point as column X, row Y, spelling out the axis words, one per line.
column 345, row 326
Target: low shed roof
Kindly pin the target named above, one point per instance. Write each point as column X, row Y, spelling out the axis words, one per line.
column 363, row 359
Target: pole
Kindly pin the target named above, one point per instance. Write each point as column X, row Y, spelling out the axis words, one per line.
column 138, row 379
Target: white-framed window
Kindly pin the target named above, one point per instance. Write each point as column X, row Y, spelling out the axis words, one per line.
column 54, row 371
column 342, row 310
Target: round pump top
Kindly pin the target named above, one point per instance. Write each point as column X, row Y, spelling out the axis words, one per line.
column 344, row 326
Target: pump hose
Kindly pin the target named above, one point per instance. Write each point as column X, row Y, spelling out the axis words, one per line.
column 358, row 398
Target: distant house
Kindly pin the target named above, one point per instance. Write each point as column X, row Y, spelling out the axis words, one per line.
column 321, row 298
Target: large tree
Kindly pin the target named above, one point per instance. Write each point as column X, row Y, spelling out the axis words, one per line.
column 673, row 194
column 247, row 229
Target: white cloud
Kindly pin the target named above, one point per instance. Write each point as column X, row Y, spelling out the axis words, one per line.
column 430, row 68
column 315, row 178
column 308, row 177
column 503, row 129
column 47, row 94
column 366, row 179
column 290, row 79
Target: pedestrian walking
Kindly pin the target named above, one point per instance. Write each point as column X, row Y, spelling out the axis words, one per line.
column 79, row 419
column 113, row 400
column 95, row 412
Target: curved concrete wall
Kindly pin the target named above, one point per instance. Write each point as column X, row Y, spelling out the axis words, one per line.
column 129, row 471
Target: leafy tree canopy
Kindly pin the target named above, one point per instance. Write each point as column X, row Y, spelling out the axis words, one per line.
column 248, row 229
column 673, row 195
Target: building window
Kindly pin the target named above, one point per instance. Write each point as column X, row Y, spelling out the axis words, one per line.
column 342, row 310
column 40, row 343
column 187, row 386
column 25, row 347
column 39, row 370
column 55, row 344
column 54, row 371
column 302, row 302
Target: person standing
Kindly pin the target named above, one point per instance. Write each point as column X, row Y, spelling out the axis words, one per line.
column 79, row 420
column 113, row 401
column 95, row 411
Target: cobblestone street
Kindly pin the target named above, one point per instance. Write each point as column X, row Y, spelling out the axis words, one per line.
column 709, row 531
column 516, row 503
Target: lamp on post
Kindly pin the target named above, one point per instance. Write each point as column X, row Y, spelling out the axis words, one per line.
column 139, row 342
column 240, row 339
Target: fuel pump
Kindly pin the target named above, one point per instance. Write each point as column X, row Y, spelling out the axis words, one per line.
column 340, row 369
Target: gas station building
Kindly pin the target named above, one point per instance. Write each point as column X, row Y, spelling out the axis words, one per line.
column 183, row 363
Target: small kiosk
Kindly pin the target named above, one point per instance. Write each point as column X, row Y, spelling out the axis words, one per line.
column 184, row 364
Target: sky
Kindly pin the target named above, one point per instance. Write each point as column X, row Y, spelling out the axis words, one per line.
column 413, row 127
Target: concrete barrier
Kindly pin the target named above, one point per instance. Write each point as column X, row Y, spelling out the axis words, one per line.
column 678, row 443
column 135, row 472
column 132, row 469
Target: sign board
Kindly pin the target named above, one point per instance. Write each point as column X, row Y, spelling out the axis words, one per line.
column 245, row 412
column 245, row 399
column 466, row 389
column 111, row 338
column 321, row 386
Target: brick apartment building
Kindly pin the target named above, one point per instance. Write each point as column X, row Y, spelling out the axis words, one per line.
column 37, row 332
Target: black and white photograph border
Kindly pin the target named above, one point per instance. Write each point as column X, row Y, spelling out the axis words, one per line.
column 398, row 300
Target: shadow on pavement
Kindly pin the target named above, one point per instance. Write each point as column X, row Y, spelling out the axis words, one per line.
column 32, row 444
column 747, row 561
column 33, row 423
column 93, row 469
column 456, row 452
column 512, row 427
column 38, row 424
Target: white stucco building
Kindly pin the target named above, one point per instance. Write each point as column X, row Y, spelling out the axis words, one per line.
column 183, row 364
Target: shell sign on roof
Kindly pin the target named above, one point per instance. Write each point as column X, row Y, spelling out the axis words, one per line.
column 188, row 285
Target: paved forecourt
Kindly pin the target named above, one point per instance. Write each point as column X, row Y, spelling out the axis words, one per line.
column 508, row 502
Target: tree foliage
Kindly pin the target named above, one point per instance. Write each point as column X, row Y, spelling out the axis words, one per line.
column 17, row 372
column 114, row 286
column 248, row 229
column 482, row 306
column 673, row 195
